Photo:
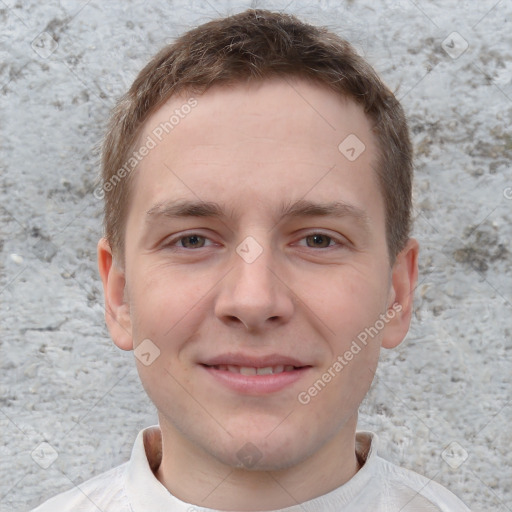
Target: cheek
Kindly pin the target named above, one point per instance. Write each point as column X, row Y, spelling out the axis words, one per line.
column 165, row 304
column 347, row 301
column 165, row 308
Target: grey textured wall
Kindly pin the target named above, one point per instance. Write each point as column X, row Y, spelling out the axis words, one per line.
column 63, row 382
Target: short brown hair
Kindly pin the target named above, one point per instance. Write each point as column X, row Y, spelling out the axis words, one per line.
column 257, row 45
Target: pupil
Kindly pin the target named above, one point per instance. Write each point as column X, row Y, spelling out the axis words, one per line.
column 320, row 240
column 192, row 240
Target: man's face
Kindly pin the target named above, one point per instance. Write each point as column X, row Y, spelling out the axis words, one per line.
column 253, row 241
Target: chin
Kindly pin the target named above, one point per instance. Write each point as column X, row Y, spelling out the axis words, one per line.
column 251, row 457
column 265, row 447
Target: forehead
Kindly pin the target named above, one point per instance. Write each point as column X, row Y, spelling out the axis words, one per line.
column 264, row 142
column 320, row 113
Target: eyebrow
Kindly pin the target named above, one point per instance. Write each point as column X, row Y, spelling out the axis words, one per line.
column 300, row 208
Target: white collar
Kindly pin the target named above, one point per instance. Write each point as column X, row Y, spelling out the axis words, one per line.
column 147, row 493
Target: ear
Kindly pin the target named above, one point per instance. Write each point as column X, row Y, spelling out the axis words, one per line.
column 117, row 310
column 403, row 281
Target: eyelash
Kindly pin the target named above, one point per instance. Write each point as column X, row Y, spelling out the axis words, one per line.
column 172, row 243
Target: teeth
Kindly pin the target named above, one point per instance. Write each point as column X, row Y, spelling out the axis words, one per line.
column 264, row 371
column 247, row 370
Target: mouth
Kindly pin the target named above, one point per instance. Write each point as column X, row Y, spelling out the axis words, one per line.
column 255, row 377
column 252, row 370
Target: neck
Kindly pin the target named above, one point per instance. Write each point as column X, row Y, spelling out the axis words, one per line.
column 195, row 476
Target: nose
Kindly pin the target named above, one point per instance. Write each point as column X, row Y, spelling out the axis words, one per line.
column 254, row 294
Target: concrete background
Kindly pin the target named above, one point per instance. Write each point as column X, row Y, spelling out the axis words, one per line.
column 63, row 382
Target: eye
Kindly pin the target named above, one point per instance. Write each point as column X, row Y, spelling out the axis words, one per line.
column 318, row 240
column 192, row 241
column 326, row 241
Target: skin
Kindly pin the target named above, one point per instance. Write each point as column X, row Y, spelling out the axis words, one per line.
column 251, row 148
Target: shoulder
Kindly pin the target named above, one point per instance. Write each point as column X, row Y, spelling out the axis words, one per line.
column 386, row 486
column 104, row 492
column 417, row 492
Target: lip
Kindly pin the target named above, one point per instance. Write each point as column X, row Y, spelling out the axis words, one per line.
column 255, row 384
column 254, row 361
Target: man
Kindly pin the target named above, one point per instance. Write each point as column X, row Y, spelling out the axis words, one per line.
column 257, row 183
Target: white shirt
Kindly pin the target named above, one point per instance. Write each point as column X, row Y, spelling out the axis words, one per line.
column 379, row 486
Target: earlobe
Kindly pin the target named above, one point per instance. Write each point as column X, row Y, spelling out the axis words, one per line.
column 403, row 282
column 117, row 312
